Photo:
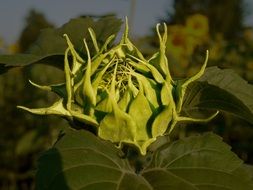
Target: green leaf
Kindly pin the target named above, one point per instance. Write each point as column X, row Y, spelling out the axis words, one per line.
column 51, row 43
column 231, row 82
column 197, row 163
column 80, row 160
column 9, row 61
column 204, row 97
column 220, row 90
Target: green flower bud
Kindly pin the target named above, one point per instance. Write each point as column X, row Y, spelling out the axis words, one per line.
column 128, row 98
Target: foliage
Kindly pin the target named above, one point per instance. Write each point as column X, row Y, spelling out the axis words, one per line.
column 80, row 159
column 193, row 163
column 167, row 165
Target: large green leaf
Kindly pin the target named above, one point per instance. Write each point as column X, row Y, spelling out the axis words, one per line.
column 80, row 160
column 18, row 60
column 197, row 163
column 51, row 42
column 203, row 97
column 230, row 81
column 220, row 90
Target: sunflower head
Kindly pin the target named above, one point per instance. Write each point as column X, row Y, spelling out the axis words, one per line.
column 127, row 98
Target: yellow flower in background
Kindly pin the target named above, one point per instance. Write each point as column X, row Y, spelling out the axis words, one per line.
column 198, row 26
column 183, row 40
column 13, row 48
column 217, row 47
column 9, row 49
column 178, row 48
column 177, row 40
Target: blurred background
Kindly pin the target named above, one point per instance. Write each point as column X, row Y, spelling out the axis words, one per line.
column 224, row 27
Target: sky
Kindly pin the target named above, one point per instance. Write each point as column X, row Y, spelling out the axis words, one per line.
column 146, row 13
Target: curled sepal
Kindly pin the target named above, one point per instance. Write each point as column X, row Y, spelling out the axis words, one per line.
column 117, row 126
column 131, row 86
column 107, row 42
column 69, row 80
column 141, row 112
column 56, row 109
column 105, row 105
column 59, row 89
column 125, row 41
column 154, row 71
column 77, row 60
column 127, row 45
column 143, row 145
column 96, row 81
column 181, row 118
column 125, row 100
column 88, row 91
column 159, row 59
column 162, row 121
column 139, row 67
column 94, row 39
column 198, row 74
column 156, row 74
column 46, row 88
column 189, row 119
column 96, row 62
column 182, row 85
column 84, row 118
column 166, row 97
column 150, row 90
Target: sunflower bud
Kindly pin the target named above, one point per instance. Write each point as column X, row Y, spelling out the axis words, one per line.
column 128, row 98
